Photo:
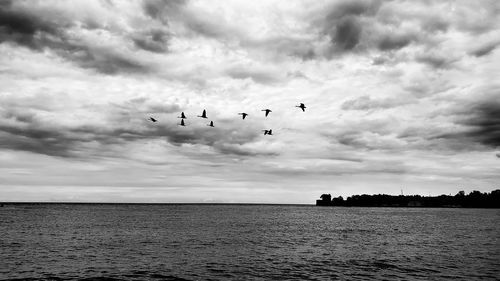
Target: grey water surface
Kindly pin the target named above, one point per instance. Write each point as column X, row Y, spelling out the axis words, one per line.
column 246, row 242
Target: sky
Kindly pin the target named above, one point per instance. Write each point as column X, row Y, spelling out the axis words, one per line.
column 401, row 96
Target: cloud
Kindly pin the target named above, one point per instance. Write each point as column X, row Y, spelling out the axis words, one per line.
column 347, row 33
column 485, row 48
column 479, row 127
column 392, row 42
column 343, row 23
column 21, row 27
column 39, row 29
column 155, row 40
column 436, row 60
column 476, row 17
column 357, row 8
column 31, row 130
column 161, row 10
column 484, row 123
column 367, row 103
column 257, row 74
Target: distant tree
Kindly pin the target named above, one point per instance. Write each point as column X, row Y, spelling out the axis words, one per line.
column 475, row 199
column 338, row 201
column 326, row 197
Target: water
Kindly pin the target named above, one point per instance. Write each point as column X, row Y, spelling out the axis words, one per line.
column 246, row 242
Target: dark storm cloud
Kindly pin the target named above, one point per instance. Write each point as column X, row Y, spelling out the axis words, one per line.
column 343, row 23
column 347, row 23
column 485, row 123
column 478, row 127
column 37, row 32
column 21, row 27
column 347, row 33
column 388, row 26
column 354, row 26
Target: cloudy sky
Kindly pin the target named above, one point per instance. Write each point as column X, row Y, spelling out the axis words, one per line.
column 399, row 95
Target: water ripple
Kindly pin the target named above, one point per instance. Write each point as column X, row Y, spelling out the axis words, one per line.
column 228, row 242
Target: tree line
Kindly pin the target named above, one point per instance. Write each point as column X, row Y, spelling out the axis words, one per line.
column 475, row 199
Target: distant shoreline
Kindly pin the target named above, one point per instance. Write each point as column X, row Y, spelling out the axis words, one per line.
column 475, row 199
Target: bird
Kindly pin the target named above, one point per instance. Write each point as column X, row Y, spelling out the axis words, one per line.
column 182, row 115
column 268, row 132
column 204, row 114
column 243, row 114
column 152, row 119
column 182, row 123
column 267, row 111
column 301, row 106
column 211, row 124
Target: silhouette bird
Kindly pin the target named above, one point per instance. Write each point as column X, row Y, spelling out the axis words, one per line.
column 301, row 106
column 182, row 115
column 204, row 114
column 211, row 124
column 268, row 132
column 152, row 119
column 243, row 114
column 267, row 111
column 182, row 123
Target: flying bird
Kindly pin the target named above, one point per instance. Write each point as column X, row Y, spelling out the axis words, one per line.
column 204, row 114
column 267, row 111
column 211, row 124
column 301, row 106
column 182, row 115
column 182, row 123
column 268, row 132
column 243, row 114
column 152, row 119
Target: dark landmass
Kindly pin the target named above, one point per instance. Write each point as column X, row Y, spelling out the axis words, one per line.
column 475, row 199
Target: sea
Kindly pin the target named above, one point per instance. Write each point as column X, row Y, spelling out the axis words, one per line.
column 246, row 242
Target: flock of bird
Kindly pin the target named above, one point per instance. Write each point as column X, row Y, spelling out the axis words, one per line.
column 243, row 115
